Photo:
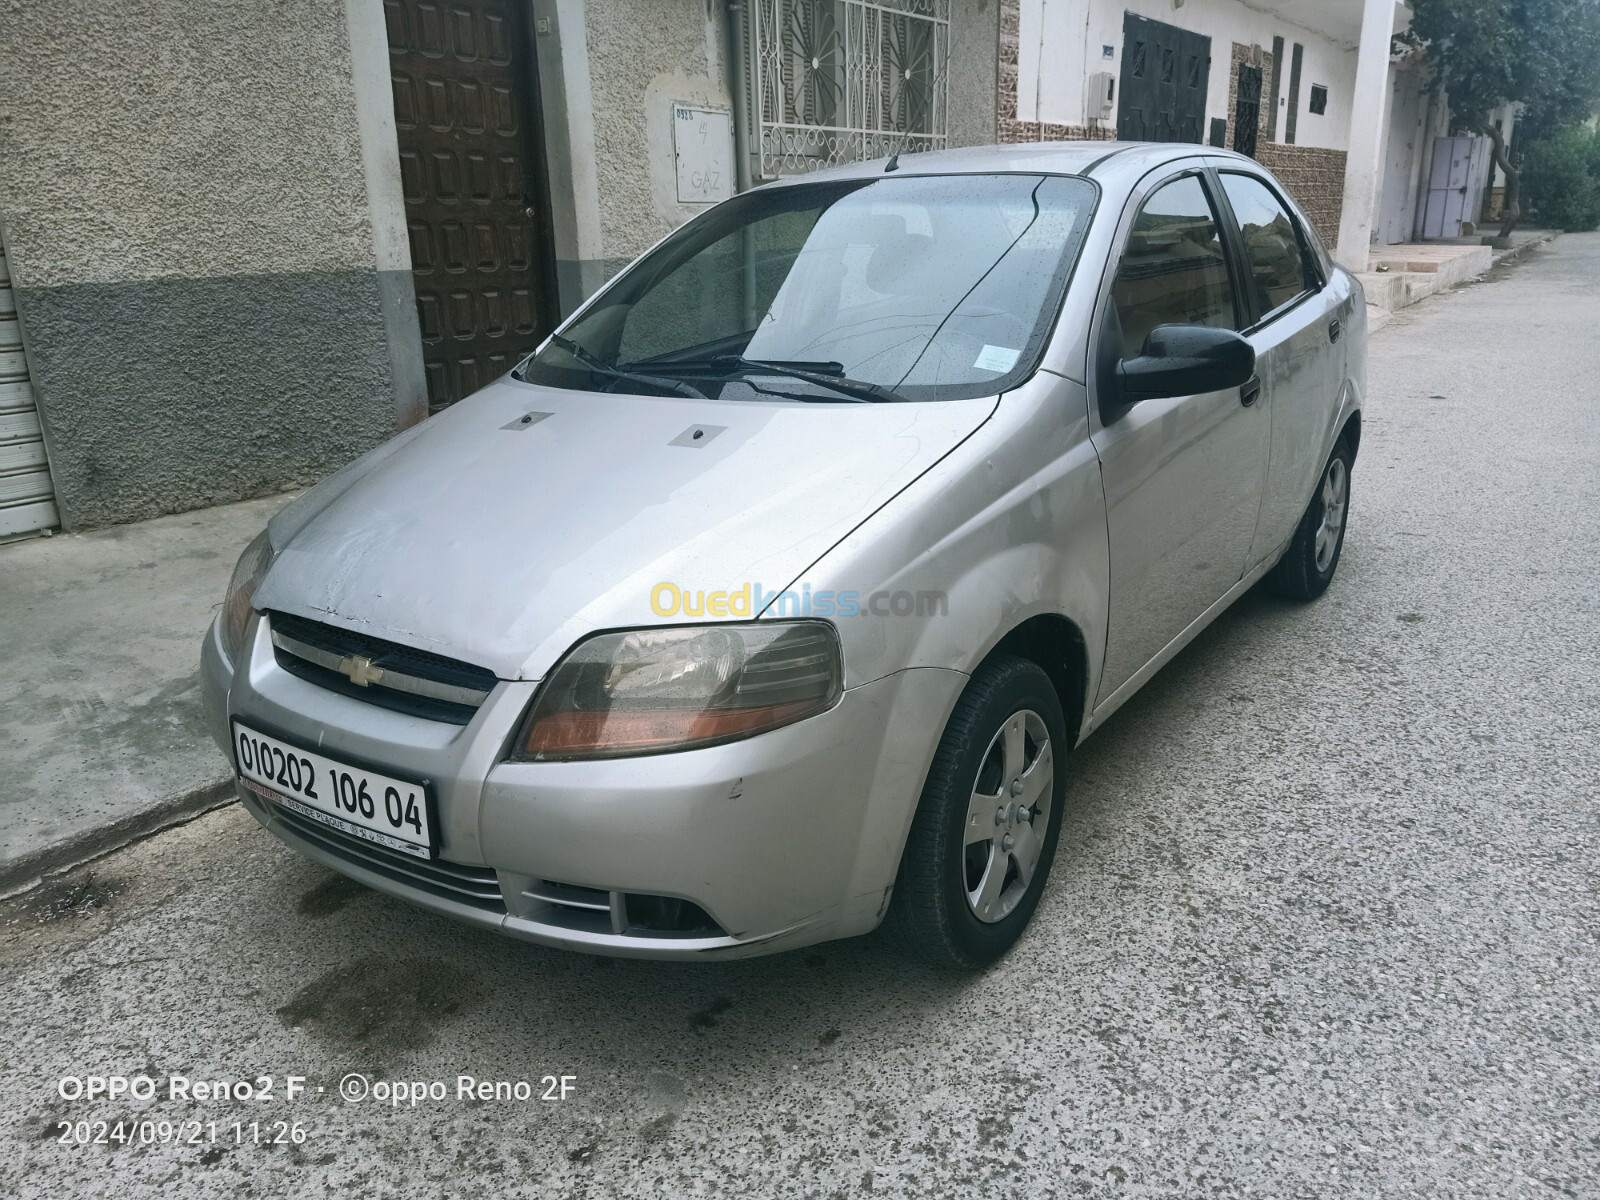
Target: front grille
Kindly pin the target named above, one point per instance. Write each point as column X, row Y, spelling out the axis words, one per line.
column 416, row 682
column 476, row 886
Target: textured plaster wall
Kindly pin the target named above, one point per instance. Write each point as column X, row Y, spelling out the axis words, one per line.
column 643, row 56
column 187, row 210
column 974, row 63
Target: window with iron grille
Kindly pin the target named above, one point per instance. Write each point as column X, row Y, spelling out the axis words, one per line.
column 833, row 81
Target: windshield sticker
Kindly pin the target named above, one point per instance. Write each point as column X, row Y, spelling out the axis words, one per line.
column 997, row 358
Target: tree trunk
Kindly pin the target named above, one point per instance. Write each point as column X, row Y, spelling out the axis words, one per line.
column 1513, row 206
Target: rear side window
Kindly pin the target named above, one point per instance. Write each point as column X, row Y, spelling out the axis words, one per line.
column 1281, row 265
column 1174, row 271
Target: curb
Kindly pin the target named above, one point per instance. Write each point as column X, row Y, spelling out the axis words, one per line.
column 1512, row 252
column 27, row 870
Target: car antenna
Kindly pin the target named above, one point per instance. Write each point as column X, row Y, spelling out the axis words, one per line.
column 893, row 164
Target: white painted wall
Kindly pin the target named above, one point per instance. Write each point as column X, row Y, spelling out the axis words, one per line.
column 1067, row 37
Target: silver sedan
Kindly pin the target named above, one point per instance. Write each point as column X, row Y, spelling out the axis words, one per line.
column 764, row 602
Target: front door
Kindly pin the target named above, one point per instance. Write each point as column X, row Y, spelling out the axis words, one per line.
column 1183, row 476
column 472, row 172
column 1163, row 85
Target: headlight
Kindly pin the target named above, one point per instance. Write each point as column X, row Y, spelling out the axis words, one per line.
column 236, row 605
column 672, row 689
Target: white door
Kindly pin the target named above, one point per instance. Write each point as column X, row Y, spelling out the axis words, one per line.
column 1456, row 160
column 27, row 497
column 1406, row 115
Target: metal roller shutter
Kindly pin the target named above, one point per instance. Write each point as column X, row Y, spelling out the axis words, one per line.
column 27, row 497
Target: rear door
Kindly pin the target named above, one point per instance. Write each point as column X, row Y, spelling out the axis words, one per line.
column 1182, row 476
column 1295, row 331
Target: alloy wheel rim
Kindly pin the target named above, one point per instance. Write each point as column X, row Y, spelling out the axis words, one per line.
column 1008, row 814
column 1335, row 486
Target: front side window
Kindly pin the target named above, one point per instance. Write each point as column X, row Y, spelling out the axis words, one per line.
column 913, row 287
column 1281, row 267
column 1174, row 270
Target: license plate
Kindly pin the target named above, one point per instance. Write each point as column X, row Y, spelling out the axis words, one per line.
column 364, row 804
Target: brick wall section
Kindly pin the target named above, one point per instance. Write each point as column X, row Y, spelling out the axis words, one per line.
column 1314, row 177
column 1013, row 130
column 1006, row 77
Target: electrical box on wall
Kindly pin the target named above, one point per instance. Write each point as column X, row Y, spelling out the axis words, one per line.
column 1102, row 99
column 702, row 144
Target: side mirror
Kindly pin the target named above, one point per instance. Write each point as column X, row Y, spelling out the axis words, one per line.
column 1185, row 360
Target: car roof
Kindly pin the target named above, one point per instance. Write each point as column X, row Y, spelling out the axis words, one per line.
column 1053, row 158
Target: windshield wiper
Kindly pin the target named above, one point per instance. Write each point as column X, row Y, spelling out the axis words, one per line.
column 823, row 374
column 622, row 373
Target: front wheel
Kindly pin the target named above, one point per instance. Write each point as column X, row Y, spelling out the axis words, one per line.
column 1307, row 567
column 985, row 830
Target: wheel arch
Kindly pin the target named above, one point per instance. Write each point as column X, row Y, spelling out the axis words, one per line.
column 1352, row 434
column 1056, row 645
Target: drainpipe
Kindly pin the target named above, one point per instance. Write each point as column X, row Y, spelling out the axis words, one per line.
column 737, row 50
column 733, row 26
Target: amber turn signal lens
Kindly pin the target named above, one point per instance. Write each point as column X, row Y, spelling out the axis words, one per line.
column 654, row 690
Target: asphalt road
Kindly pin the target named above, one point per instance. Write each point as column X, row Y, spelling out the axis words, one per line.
column 1323, row 922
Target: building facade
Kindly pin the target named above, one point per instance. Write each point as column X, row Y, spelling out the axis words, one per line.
column 1314, row 91
column 243, row 242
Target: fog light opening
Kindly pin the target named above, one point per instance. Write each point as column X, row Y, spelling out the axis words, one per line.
column 667, row 915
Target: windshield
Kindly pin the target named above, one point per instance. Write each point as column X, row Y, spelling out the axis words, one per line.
column 897, row 288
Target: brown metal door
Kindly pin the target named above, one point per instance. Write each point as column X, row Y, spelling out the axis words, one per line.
column 472, row 171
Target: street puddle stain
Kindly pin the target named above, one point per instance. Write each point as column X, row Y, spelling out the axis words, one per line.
column 329, row 896
column 666, row 1097
column 380, row 1004
column 74, row 895
column 829, row 1037
column 657, row 1128
column 706, row 1018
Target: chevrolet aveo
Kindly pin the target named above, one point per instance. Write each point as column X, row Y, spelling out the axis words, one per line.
column 763, row 603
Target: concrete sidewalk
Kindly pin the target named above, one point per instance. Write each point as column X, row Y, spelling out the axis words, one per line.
column 1400, row 276
column 101, row 739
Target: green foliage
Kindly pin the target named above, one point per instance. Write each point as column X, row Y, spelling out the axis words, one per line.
column 1543, row 54
column 1563, row 178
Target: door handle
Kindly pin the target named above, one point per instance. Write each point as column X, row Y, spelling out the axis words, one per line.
column 1250, row 391
column 1335, row 330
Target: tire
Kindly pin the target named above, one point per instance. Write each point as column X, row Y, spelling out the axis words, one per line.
column 1307, row 566
column 1010, row 708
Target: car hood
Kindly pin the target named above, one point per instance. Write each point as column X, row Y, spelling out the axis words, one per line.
column 509, row 526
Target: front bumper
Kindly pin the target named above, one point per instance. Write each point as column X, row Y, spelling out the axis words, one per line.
column 784, row 839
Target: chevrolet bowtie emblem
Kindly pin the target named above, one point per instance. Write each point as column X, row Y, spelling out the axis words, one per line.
column 360, row 671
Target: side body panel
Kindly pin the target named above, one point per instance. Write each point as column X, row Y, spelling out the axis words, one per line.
column 1009, row 526
column 1183, row 485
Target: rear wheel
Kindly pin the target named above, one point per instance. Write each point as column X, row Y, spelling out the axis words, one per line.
column 1308, row 565
column 985, row 830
